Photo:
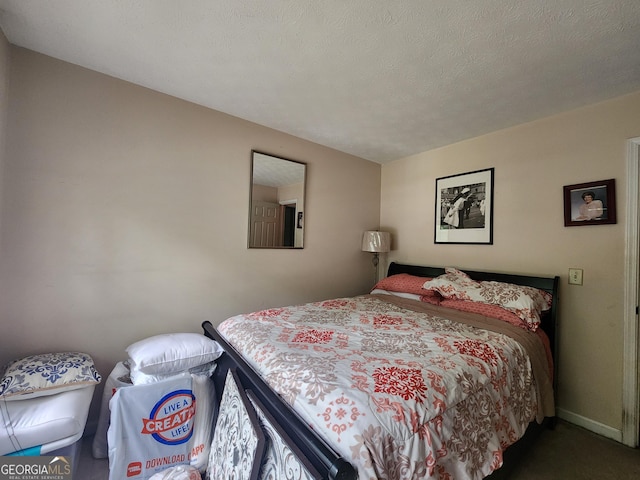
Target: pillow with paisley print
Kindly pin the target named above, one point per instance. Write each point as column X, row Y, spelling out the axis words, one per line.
column 525, row 302
column 47, row 374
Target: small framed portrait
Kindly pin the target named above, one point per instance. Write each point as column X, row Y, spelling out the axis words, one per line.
column 464, row 208
column 300, row 221
column 591, row 203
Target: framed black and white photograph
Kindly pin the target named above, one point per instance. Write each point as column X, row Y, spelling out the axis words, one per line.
column 464, row 208
column 591, row 203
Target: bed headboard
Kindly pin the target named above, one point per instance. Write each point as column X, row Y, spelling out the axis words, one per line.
column 548, row 284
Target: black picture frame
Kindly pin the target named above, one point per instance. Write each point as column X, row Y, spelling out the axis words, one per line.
column 599, row 210
column 471, row 223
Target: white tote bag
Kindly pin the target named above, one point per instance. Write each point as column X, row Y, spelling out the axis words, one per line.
column 151, row 428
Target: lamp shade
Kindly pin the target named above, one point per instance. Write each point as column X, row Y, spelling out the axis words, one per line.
column 377, row 242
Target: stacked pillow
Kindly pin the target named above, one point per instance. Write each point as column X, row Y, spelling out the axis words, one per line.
column 47, row 374
column 516, row 304
column 525, row 303
column 407, row 286
column 163, row 356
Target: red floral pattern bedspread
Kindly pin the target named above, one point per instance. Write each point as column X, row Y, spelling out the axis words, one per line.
column 401, row 394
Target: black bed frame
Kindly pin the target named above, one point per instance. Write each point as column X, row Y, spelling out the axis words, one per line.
column 320, row 455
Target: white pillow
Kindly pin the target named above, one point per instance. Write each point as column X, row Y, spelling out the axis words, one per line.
column 410, row 296
column 172, row 353
column 47, row 374
column 140, row 378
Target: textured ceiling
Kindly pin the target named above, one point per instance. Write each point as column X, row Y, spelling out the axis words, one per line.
column 377, row 79
column 276, row 172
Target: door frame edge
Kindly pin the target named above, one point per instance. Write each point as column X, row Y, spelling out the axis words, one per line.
column 630, row 392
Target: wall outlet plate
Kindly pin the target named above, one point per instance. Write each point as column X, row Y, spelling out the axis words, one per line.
column 575, row 276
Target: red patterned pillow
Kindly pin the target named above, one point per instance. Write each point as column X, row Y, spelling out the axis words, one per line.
column 403, row 282
column 488, row 310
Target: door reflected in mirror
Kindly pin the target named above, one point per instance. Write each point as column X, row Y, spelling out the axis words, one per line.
column 276, row 213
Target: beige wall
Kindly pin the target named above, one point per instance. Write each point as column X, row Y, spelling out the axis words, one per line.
column 125, row 215
column 532, row 163
column 262, row 193
column 4, row 100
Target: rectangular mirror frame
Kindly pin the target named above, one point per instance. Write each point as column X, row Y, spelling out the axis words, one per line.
column 276, row 202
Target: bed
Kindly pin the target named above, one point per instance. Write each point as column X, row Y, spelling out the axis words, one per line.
column 382, row 385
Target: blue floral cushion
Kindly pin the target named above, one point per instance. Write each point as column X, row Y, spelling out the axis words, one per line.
column 47, row 374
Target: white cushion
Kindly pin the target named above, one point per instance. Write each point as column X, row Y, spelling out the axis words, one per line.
column 172, row 352
column 49, row 423
column 138, row 377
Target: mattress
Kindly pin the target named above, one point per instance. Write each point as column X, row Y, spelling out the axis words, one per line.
column 44, row 424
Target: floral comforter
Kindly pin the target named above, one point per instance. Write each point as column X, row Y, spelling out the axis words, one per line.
column 402, row 389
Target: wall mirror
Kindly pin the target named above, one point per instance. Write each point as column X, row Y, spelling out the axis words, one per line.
column 276, row 215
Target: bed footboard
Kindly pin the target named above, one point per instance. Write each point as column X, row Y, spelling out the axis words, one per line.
column 314, row 450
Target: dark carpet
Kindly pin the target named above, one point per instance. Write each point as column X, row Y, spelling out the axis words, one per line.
column 569, row 452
